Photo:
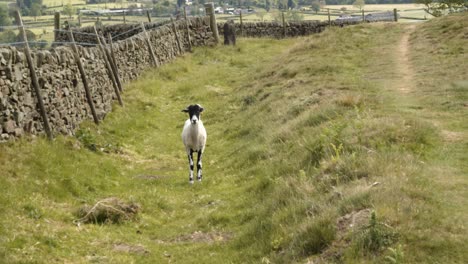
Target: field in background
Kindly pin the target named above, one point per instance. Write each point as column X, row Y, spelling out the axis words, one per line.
column 50, row 3
column 405, row 10
column 382, row 7
column 303, row 135
column 42, row 26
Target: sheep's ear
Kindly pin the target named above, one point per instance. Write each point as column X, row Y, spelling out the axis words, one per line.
column 185, row 110
column 201, row 109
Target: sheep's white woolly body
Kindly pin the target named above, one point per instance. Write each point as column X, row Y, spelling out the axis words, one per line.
column 194, row 136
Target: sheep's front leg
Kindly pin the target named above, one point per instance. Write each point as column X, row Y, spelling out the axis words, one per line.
column 190, row 158
column 199, row 165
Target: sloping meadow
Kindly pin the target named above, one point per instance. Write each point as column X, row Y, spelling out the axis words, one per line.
column 307, row 159
column 323, row 146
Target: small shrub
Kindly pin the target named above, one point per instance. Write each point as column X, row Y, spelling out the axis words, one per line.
column 87, row 139
column 374, row 237
column 276, row 243
column 316, row 153
column 249, row 100
column 33, row 212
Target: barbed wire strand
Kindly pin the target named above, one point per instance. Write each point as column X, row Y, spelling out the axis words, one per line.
column 33, row 26
column 116, row 36
column 45, row 42
column 77, row 43
column 15, row 27
column 163, row 23
column 9, row 27
column 75, row 32
column 12, row 43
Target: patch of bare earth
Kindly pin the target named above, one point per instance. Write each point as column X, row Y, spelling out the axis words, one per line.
column 151, row 177
column 452, row 136
column 135, row 249
column 199, row 237
column 405, row 81
column 344, row 225
column 405, row 74
column 448, row 135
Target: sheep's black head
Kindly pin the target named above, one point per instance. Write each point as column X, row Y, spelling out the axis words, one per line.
column 194, row 112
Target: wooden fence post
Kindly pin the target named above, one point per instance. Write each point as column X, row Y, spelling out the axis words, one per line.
column 34, row 81
column 209, row 8
column 112, row 74
column 83, row 77
column 363, row 17
column 395, row 15
column 56, row 25
column 148, row 15
column 176, row 35
column 329, row 19
column 188, row 30
column 109, row 52
column 125, row 20
column 109, row 37
column 241, row 24
column 150, row 47
column 284, row 24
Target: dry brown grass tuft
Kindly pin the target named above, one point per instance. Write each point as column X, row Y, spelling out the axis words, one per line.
column 108, row 211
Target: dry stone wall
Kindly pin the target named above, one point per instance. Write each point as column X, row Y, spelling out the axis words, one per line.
column 61, row 84
column 118, row 32
column 275, row 30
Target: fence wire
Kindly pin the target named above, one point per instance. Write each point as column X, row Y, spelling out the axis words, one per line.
column 76, row 32
column 121, row 34
column 77, row 43
column 42, row 43
column 9, row 27
column 12, row 43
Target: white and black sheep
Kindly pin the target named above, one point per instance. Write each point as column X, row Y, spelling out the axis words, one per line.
column 194, row 138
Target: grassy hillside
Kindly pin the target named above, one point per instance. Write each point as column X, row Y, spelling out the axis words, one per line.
column 314, row 152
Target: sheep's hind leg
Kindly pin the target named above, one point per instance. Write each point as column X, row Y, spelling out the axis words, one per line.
column 190, row 158
column 199, row 166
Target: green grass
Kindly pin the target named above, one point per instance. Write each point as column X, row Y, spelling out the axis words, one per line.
column 299, row 130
